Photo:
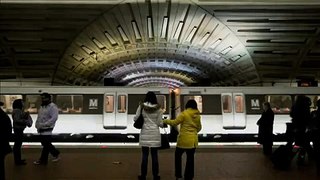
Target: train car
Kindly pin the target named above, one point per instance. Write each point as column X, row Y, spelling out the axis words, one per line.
column 231, row 113
column 227, row 113
column 87, row 110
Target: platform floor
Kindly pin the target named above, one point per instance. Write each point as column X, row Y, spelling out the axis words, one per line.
column 215, row 163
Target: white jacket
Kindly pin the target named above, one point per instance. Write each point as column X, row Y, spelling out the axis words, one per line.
column 150, row 133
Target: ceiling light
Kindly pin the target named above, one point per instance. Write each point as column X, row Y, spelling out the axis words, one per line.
column 150, row 27
column 123, row 34
column 111, row 40
column 226, row 50
column 192, row 33
column 164, row 27
column 215, row 44
column 204, row 38
column 178, row 31
column 136, row 30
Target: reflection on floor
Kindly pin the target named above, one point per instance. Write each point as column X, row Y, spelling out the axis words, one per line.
column 105, row 163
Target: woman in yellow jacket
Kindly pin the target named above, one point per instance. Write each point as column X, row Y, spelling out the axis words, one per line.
column 190, row 125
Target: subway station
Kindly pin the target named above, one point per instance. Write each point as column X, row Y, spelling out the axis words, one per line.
column 96, row 61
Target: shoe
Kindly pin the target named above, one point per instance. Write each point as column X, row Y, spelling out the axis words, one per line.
column 156, row 177
column 39, row 162
column 55, row 159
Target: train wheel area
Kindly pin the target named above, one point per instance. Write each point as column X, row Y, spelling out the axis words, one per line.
column 124, row 164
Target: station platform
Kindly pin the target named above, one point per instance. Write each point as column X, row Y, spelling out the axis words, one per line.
column 106, row 162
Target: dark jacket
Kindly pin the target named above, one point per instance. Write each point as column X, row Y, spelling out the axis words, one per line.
column 265, row 124
column 5, row 133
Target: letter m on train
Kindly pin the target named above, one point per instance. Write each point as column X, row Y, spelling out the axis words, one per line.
column 255, row 104
column 93, row 103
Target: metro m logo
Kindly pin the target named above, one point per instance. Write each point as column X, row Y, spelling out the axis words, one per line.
column 93, row 103
column 255, row 104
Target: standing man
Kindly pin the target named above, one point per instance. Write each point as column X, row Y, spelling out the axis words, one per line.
column 5, row 135
column 265, row 124
column 46, row 120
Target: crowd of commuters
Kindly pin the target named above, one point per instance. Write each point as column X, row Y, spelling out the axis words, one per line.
column 305, row 127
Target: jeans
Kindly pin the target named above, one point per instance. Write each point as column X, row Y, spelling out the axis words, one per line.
column 189, row 169
column 18, row 138
column 144, row 163
column 47, row 148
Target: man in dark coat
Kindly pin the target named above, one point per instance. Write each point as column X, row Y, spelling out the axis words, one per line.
column 265, row 124
column 5, row 135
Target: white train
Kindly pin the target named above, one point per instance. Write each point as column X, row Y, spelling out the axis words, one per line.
column 225, row 111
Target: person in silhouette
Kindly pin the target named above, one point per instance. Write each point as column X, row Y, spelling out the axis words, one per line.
column 5, row 135
column 265, row 133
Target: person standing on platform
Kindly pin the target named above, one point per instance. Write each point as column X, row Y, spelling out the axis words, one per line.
column 265, row 134
column 190, row 125
column 46, row 120
column 21, row 120
column 315, row 134
column 301, row 117
column 5, row 135
column 150, row 138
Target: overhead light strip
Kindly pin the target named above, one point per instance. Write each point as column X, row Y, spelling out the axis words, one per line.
column 192, row 33
column 204, row 38
column 123, row 34
column 164, row 27
column 215, row 44
column 150, row 28
column 136, row 30
column 178, row 31
column 111, row 40
column 226, row 50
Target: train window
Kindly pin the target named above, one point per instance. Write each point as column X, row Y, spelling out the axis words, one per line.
column 122, row 103
column 109, row 104
column 280, row 104
column 198, row 99
column 239, row 103
column 162, row 102
column 32, row 103
column 69, row 104
column 8, row 101
column 226, row 104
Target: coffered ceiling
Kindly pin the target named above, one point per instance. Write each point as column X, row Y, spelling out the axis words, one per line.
column 159, row 43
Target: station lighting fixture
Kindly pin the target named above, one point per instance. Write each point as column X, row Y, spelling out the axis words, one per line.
column 76, row 57
column 100, row 45
column 216, row 43
column 150, row 27
column 226, row 50
column 204, row 38
column 123, row 34
column 178, row 31
column 110, row 38
column 163, row 34
column 136, row 30
column 191, row 34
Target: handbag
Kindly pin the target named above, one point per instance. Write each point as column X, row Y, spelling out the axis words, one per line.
column 164, row 141
column 139, row 122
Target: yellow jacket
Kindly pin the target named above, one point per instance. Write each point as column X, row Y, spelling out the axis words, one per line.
column 190, row 125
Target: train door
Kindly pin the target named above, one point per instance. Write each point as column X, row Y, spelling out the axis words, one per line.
column 115, row 111
column 233, row 110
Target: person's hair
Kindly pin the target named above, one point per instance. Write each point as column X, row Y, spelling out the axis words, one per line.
column 267, row 104
column 17, row 104
column 46, row 95
column 191, row 104
column 151, row 98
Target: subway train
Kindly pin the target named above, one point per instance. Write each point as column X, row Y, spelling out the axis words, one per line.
column 105, row 114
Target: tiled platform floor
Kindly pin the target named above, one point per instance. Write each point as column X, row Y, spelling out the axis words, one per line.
column 214, row 163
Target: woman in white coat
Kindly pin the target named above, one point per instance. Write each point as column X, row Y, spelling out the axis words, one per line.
column 150, row 138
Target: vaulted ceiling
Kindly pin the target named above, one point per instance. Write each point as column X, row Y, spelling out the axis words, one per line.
column 159, row 43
